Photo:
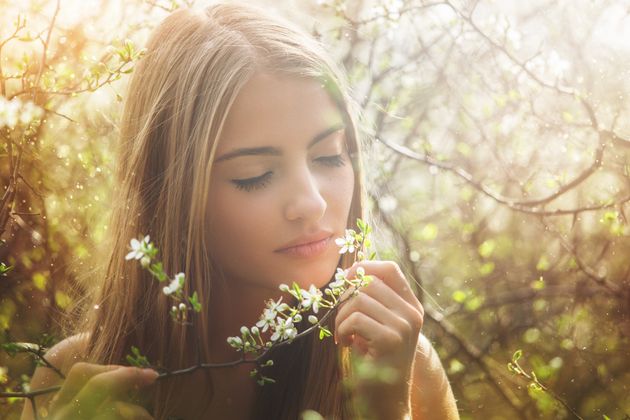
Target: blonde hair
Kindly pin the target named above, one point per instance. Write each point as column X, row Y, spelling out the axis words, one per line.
column 176, row 107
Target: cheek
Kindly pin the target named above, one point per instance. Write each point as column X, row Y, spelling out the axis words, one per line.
column 237, row 226
column 341, row 191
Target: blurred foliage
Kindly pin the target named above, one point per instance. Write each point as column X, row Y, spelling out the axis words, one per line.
column 499, row 133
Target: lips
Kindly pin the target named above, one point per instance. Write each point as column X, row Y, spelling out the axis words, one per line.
column 307, row 246
column 308, row 250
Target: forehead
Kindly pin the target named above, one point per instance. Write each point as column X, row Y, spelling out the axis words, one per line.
column 277, row 110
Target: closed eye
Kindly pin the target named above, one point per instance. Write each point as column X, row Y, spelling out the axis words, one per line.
column 334, row 160
column 250, row 184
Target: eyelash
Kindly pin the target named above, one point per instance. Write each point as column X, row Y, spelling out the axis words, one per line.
column 262, row 181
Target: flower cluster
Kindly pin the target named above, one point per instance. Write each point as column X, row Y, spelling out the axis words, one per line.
column 278, row 322
column 144, row 250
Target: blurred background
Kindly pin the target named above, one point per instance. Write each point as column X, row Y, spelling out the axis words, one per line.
column 498, row 142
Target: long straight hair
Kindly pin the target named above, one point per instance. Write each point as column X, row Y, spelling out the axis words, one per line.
column 178, row 99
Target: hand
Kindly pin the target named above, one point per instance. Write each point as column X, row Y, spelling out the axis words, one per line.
column 383, row 323
column 102, row 392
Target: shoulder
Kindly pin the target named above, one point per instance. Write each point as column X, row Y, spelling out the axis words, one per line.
column 63, row 356
column 431, row 395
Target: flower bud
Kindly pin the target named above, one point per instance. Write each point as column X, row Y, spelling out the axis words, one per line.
column 284, row 288
column 255, row 330
column 145, row 261
column 297, row 318
column 182, row 307
column 174, row 308
column 235, row 342
column 244, row 330
column 312, row 319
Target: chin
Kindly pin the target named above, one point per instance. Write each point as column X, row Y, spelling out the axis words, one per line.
column 320, row 280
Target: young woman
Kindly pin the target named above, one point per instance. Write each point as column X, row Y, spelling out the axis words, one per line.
column 239, row 155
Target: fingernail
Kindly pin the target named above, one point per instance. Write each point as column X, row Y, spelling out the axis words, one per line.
column 150, row 375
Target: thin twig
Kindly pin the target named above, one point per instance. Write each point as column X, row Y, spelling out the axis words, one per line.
column 46, row 43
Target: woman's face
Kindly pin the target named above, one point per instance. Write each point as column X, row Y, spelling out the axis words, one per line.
column 281, row 176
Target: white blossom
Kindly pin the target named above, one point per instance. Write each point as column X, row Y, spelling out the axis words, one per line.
column 312, row 298
column 277, row 306
column 175, row 284
column 138, row 248
column 267, row 319
column 284, row 330
column 347, row 242
column 340, row 279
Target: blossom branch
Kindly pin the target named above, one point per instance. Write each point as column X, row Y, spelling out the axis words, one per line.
column 278, row 317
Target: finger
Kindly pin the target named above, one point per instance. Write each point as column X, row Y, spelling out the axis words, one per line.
column 122, row 410
column 114, row 385
column 378, row 337
column 80, row 373
column 371, row 307
column 380, row 291
column 390, row 273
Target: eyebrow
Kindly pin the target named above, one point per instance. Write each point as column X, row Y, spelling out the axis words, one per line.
column 274, row 151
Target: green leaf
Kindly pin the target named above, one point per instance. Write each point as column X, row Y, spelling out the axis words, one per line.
column 4, row 269
column 158, row 271
column 361, row 224
column 298, row 291
column 194, row 301
column 324, row 332
column 14, row 348
column 517, row 355
column 137, row 359
column 512, row 368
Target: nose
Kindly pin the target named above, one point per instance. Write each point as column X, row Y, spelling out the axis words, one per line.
column 304, row 198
